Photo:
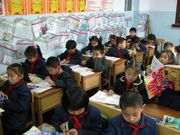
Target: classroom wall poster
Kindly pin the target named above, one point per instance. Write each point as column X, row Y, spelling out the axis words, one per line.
column 107, row 5
column 70, row 6
column 93, row 5
column 37, row 6
column 1, row 8
column 15, row 7
column 81, row 5
column 54, row 6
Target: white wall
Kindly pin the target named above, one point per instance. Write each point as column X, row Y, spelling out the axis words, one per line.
column 118, row 5
column 144, row 5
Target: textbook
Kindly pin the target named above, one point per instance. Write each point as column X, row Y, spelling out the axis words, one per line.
column 161, row 78
column 84, row 71
column 102, row 97
column 171, row 122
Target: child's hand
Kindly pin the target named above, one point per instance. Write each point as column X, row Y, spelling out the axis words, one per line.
column 130, row 53
column 73, row 132
column 110, row 92
column 84, row 62
column 2, row 95
column 50, row 81
column 63, row 128
column 148, row 70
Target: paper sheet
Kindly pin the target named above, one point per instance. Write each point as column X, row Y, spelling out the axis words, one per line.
column 84, row 71
column 112, row 58
column 156, row 64
column 33, row 131
column 102, row 97
column 1, row 110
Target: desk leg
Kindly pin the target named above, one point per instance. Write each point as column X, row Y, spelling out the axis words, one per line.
column 1, row 128
column 39, row 111
column 40, row 118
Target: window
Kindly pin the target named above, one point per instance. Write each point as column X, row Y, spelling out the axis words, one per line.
column 128, row 5
column 177, row 20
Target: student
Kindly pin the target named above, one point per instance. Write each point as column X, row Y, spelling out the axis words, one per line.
column 169, row 46
column 94, row 41
column 35, row 63
column 75, row 116
column 151, row 41
column 131, row 81
column 132, row 121
column 58, row 77
column 17, row 100
column 71, row 55
column 137, row 45
column 167, row 57
column 119, row 50
column 112, row 41
column 177, row 58
column 132, row 33
column 99, row 63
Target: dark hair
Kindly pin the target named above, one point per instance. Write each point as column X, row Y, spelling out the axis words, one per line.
column 132, row 29
column 32, row 51
column 133, row 65
column 52, row 62
column 112, row 36
column 99, row 48
column 151, row 37
column 168, row 44
column 70, row 44
column 135, row 40
column 170, row 56
column 177, row 48
column 74, row 98
column 131, row 99
column 95, row 38
column 120, row 40
column 16, row 68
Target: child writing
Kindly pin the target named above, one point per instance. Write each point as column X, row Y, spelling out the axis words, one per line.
column 75, row 116
column 132, row 33
column 119, row 50
column 17, row 100
column 112, row 41
column 94, row 41
column 58, row 77
column 71, row 55
column 131, row 81
column 137, row 45
column 99, row 63
column 35, row 63
column 132, row 121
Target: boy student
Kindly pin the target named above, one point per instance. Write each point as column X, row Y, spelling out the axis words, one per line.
column 119, row 50
column 137, row 45
column 99, row 63
column 132, row 121
column 58, row 77
column 75, row 116
column 112, row 41
column 132, row 33
column 71, row 55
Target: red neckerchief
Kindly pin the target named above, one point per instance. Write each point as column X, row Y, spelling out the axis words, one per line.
column 11, row 87
column 77, row 124
column 128, row 85
column 54, row 77
column 33, row 64
column 119, row 53
column 135, row 129
column 68, row 57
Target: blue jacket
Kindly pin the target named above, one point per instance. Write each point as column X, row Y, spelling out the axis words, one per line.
column 113, row 51
column 39, row 68
column 17, row 106
column 87, row 48
column 100, row 65
column 91, row 122
column 76, row 58
column 118, row 126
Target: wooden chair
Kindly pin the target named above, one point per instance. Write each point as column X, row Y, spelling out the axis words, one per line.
column 161, row 42
column 139, row 57
column 150, row 54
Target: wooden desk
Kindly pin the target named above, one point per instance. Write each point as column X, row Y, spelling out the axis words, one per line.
column 139, row 57
column 88, row 82
column 151, row 109
column 47, row 101
column 1, row 127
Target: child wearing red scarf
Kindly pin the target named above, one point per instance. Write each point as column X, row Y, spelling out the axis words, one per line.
column 17, row 100
column 131, row 121
column 34, row 62
column 131, row 81
column 75, row 111
column 71, row 54
column 59, row 75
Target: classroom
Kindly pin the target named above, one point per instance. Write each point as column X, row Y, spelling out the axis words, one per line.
column 85, row 67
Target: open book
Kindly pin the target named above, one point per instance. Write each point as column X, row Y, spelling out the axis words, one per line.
column 102, row 97
column 84, row 71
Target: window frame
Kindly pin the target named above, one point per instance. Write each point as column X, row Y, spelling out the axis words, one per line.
column 177, row 15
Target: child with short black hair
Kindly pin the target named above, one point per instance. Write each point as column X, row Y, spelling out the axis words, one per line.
column 75, row 115
column 35, row 63
column 137, row 45
column 132, row 33
column 119, row 50
column 17, row 100
column 112, row 41
column 93, row 42
column 58, row 77
column 99, row 63
column 132, row 121
column 71, row 55
column 130, row 81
